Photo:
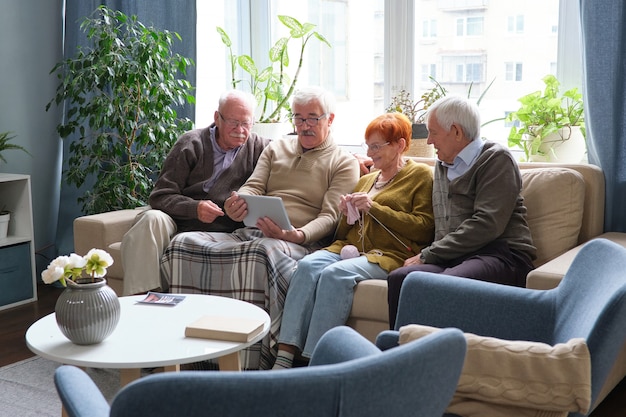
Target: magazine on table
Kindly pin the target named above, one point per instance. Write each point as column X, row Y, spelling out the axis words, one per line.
column 159, row 298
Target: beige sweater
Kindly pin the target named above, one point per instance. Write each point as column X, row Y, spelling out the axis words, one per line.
column 309, row 183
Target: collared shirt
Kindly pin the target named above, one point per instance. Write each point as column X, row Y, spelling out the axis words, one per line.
column 221, row 160
column 464, row 160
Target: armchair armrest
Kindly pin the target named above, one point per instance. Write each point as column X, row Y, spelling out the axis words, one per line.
column 477, row 307
column 79, row 394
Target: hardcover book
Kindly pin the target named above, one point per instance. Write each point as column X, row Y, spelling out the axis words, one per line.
column 235, row 329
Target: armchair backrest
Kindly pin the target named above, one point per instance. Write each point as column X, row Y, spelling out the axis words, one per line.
column 590, row 302
column 414, row 379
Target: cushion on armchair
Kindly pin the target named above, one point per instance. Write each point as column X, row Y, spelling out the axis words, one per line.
column 521, row 378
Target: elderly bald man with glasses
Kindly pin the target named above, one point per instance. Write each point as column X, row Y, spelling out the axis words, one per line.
column 199, row 173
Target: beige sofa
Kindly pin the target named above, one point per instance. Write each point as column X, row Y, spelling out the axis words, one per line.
column 565, row 205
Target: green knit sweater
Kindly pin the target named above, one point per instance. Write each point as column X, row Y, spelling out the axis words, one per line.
column 404, row 207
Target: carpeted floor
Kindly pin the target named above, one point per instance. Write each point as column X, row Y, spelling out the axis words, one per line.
column 27, row 388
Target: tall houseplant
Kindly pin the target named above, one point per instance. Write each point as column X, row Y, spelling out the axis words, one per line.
column 120, row 94
column 548, row 119
column 273, row 85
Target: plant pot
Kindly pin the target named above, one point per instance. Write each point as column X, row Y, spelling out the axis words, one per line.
column 567, row 145
column 419, row 142
column 272, row 131
column 87, row 312
column 4, row 225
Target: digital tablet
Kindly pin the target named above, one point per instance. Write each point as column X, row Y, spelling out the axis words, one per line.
column 264, row 206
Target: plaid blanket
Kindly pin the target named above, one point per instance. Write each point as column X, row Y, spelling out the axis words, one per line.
column 243, row 265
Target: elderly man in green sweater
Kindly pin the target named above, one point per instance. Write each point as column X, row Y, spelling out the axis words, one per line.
column 481, row 230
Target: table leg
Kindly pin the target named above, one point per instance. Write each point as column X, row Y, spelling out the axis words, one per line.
column 230, row 362
column 129, row 375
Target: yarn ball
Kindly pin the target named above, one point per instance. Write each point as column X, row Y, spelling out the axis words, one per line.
column 349, row 251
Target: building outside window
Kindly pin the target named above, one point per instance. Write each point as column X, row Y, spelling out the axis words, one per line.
column 462, row 44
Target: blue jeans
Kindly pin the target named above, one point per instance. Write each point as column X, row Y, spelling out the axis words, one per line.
column 320, row 296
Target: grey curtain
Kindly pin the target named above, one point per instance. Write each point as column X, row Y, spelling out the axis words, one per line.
column 604, row 57
column 176, row 16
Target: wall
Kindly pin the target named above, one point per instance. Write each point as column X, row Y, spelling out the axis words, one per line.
column 30, row 44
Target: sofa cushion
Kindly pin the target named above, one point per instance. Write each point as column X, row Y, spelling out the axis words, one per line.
column 554, row 198
column 503, row 377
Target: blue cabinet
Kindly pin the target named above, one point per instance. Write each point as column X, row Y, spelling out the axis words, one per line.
column 17, row 254
column 16, row 273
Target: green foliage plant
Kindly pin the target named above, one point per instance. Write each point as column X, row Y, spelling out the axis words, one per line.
column 5, row 145
column 544, row 112
column 273, row 86
column 120, row 93
column 416, row 110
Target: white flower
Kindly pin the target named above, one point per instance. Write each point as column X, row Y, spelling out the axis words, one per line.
column 95, row 264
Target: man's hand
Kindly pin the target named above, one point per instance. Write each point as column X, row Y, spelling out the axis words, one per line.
column 208, row 211
column 236, row 207
column 414, row 260
column 365, row 163
column 271, row 229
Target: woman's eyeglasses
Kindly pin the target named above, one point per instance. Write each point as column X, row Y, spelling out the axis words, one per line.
column 375, row 147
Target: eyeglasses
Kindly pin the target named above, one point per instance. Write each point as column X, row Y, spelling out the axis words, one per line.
column 375, row 147
column 235, row 123
column 311, row 121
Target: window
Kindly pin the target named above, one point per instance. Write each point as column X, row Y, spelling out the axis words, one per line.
column 428, row 70
column 460, row 44
column 429, row 28
column 469, row 26
column 513, row 71
column 515, row 24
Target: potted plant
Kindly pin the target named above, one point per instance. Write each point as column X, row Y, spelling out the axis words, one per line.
column 416, row 110
column 5, row 138
column 551, row 125
column 273, row 85
column 120, row 95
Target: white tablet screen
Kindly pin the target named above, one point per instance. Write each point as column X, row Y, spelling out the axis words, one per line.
column 265, row 206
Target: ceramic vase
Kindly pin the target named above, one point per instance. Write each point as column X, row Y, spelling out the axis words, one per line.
column 87, row 312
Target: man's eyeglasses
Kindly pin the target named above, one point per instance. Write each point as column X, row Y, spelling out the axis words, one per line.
column 311, row 121
column 375, row 147
column 235, row 123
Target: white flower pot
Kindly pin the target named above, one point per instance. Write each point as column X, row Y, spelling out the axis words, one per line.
column 565, row 146
column 272, row 130
column 4, row 225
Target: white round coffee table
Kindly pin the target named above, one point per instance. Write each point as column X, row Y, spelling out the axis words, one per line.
column 149, row 336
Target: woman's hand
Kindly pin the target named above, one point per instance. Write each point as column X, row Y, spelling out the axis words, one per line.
column 361, row 201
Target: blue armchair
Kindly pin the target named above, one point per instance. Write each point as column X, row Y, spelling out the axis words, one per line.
column 589, row 303
column 347, row 376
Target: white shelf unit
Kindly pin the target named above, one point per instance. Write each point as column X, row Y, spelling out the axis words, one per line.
column 17, row 251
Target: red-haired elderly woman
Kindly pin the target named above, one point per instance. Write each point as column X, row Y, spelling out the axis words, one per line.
column 388, row 218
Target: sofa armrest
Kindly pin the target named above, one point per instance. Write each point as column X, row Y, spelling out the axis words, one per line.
column 550, row 274
column 101, row 230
